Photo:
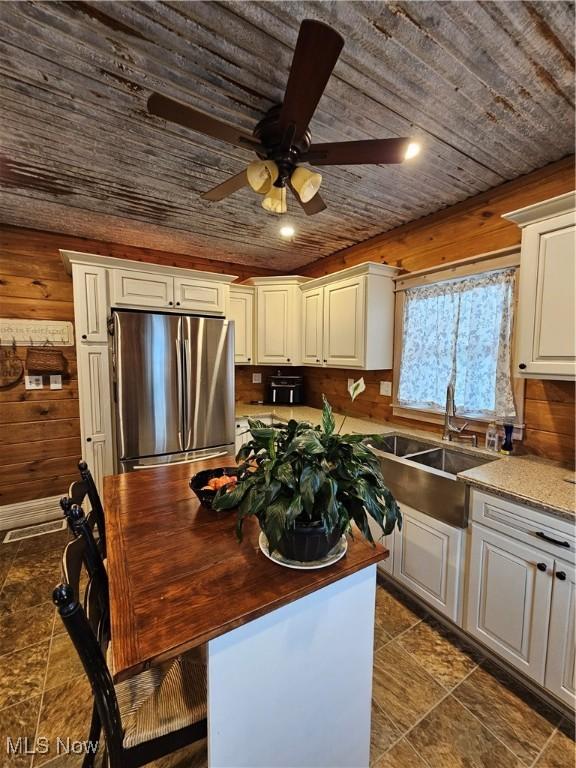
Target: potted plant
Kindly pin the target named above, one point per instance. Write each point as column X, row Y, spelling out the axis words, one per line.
column 306, row 485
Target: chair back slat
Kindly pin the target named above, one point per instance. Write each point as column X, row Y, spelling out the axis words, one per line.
column 95, row 503
column 77, row 492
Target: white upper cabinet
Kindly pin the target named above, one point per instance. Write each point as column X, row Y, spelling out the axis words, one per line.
column 141, row 289
column 242, row 313
column 546, row 346
column 90, row 303
column 204, row 298
column 312, row 326
column 278, row 319
column 348, row 318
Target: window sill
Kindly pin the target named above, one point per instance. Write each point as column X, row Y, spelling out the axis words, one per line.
column 437, row 417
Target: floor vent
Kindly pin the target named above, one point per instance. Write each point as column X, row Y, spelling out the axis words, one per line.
column 34, row 530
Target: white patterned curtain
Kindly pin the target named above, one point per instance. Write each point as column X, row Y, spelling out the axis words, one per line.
column 459, row 331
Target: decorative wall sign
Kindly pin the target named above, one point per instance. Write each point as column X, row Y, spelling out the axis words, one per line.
column 27, row 333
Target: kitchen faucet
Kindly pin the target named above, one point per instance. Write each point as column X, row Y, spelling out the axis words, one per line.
column 453, row 433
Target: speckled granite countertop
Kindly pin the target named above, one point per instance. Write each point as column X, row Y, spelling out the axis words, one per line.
column 529, row 479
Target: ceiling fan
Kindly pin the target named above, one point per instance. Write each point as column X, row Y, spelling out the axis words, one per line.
column 282, row 139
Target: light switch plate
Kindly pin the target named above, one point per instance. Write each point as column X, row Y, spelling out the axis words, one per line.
column 56, row 381
column 256, row 378
column 386, row 388
column 33, row 382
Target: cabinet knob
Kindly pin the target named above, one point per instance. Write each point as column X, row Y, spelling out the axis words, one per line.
column 177, row 303
column 170, row 303
column 522, row 366
column 249, row 359
column 541, row 566
column 561, row 575
column 317, row 359
column 287, row 359
column 325, row 360
column 84, row 336
column 88, row 439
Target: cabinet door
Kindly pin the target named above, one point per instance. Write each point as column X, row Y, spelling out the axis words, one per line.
column 278, row 325
column 387, row 541
column 344, row 323
column 427, row 560
column 205, row 298
column 561, row 657
column 96, row 410
column 90, row 303
column 546, row 331
column 312, row 326
column 242, row 434
column 141, row 289
column 509, row 591
column 242, row 313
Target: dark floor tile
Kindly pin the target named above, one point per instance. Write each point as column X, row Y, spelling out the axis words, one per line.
column 66, row 712
column 26, row 627
column 48, row 542
column 401, row 687
column 193, row 756
column 442, row 653
column 381, row 637
column 63, row 661
column 25, row 567
column 18, row 722
column 451, row 737
column 383, row 733
column 402, row 755
column 519, row 719
column 16, row 595
column 22, row 673
column 394, row 613
column 560, row 752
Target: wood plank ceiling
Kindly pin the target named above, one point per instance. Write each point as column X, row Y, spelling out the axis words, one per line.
column 487, row 87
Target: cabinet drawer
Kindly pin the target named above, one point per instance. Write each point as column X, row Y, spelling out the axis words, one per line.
column 141, row 289
column 552, row 535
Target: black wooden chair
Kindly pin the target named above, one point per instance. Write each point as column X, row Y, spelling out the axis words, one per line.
column 147, row 716
column 97, row 511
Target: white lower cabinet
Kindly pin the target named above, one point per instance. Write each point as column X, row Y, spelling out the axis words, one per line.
column 561, row 657
column 242, row 433
column 427, row 556
column 387, row 541
column 509, row 595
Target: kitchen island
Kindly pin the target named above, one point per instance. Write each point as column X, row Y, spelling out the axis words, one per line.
column 289, row 651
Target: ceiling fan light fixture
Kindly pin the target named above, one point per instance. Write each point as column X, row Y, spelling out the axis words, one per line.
column 261, row 175
column 412, row 150
column 287, row 231
column 275, row 200
column 306, row 183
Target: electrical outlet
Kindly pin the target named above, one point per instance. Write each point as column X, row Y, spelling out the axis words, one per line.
column 256, row 378
column 56, row 382
column 386, row 388
column 33, row 382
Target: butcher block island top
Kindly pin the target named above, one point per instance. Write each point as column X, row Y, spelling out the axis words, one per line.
column 178, row 575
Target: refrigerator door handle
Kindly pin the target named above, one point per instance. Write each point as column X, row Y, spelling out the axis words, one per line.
column 188, row 383
column 180, row 391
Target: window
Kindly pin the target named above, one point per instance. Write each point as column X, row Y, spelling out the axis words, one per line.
column 459, row 331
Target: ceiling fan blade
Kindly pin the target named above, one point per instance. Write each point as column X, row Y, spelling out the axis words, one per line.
column 228, row 187
column 316, row 205
column 315, row 56
column 182, row 114
column 370, row 152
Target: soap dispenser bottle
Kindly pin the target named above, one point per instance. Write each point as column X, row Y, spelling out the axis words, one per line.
column 507, row 446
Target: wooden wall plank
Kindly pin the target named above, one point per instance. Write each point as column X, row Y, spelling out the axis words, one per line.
column 39, row 449
column 54, row 485
column 39, row 431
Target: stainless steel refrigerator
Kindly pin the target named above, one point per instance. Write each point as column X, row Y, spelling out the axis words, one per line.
column 173, row 387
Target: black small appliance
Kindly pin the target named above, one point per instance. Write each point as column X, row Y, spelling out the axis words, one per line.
column 285, row 390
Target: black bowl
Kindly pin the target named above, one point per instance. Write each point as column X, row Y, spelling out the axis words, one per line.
column 197, row 483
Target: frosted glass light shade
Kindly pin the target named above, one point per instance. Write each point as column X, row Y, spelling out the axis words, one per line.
column 261, row 175
column 306, row 183
column 275, row 200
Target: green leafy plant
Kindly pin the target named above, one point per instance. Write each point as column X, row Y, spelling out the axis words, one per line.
column 301, row 474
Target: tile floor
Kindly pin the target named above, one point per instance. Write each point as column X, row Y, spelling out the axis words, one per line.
column 436, row 702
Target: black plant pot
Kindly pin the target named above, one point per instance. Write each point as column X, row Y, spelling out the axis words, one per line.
column 308, row 541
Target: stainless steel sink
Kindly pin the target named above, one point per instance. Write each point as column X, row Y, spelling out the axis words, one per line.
column 425, row 478
column 399, row 445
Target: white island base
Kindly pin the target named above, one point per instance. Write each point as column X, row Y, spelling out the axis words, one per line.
column 293, row 688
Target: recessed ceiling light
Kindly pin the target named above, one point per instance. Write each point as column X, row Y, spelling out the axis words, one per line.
column 412, row 150
column 287, row 231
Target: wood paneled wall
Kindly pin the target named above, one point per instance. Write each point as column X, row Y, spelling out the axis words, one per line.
column 40, row 430
column 473, row 227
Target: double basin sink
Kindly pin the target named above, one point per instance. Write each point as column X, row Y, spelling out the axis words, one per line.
column 423, row 475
